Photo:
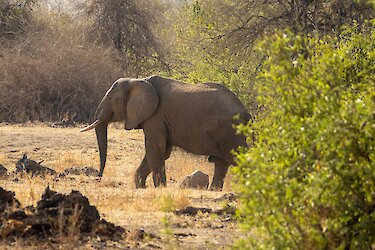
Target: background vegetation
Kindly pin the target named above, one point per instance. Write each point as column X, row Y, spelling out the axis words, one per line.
column 308, row 180
column 57, row 58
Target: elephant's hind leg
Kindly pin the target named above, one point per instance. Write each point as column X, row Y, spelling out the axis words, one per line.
column 221, row 169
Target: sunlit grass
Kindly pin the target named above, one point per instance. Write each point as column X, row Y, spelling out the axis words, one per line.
column 114, row 194
column 2, row 158
column 116, row 189
column 70, row 158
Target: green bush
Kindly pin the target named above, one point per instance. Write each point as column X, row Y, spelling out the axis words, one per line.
column 198, row 57
column 308, row 182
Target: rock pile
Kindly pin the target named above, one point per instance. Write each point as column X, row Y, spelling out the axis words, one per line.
column 26, row 165
column 55, row 215
column 7, row 201
column 88, row 171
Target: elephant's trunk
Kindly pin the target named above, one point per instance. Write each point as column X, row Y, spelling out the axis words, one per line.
column 101, row 136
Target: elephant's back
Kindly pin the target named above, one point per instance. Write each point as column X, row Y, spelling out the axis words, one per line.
column 225, row 101
column 196, row 99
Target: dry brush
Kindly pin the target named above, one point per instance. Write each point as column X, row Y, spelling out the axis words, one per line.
column 54, row 74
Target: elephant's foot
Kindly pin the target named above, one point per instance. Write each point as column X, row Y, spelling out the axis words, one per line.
column 139, row 182
column 159, row 179
column 141, row 174
column 216, row 185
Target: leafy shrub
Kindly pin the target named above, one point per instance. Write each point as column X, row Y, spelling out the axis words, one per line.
column 308, row 182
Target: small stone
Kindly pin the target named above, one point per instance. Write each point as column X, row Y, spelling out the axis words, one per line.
column 88, row 171
column 197, row 180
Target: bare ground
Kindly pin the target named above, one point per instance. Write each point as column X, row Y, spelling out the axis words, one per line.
column 151, row 209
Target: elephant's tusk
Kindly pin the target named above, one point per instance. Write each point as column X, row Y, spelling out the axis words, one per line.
column 91, row 126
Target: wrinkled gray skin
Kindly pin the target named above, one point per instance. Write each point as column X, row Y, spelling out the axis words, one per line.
column 196, row 117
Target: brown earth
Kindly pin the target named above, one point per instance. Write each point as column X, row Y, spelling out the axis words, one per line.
column 175, row 218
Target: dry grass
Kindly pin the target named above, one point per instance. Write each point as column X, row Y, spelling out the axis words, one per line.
column 3, row 158
column 72, row 158
column 114, row 195
column 53, row 73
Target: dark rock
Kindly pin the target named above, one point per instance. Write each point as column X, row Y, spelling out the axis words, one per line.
column 184, row 234
column 7, row 200
column 193, row 210
column 226, row 211
column 108, row 229
column 3, row 171
column 136, row 234
column 88, row 171
column 26, row 165
column 52, row 203
column 227, row 197
column 63, row 124
column 139, row 234
column 197, row 179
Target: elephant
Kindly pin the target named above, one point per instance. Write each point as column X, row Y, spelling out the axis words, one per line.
column 198, row 118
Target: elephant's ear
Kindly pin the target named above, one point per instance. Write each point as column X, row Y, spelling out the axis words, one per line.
column 142, row 102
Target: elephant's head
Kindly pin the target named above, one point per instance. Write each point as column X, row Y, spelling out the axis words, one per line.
column 129, row 100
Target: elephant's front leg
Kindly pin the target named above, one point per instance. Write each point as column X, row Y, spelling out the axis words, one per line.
column 141, row 174
column 156, row 151
column 155, row 159
column 144, row 170
column 159, row 177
